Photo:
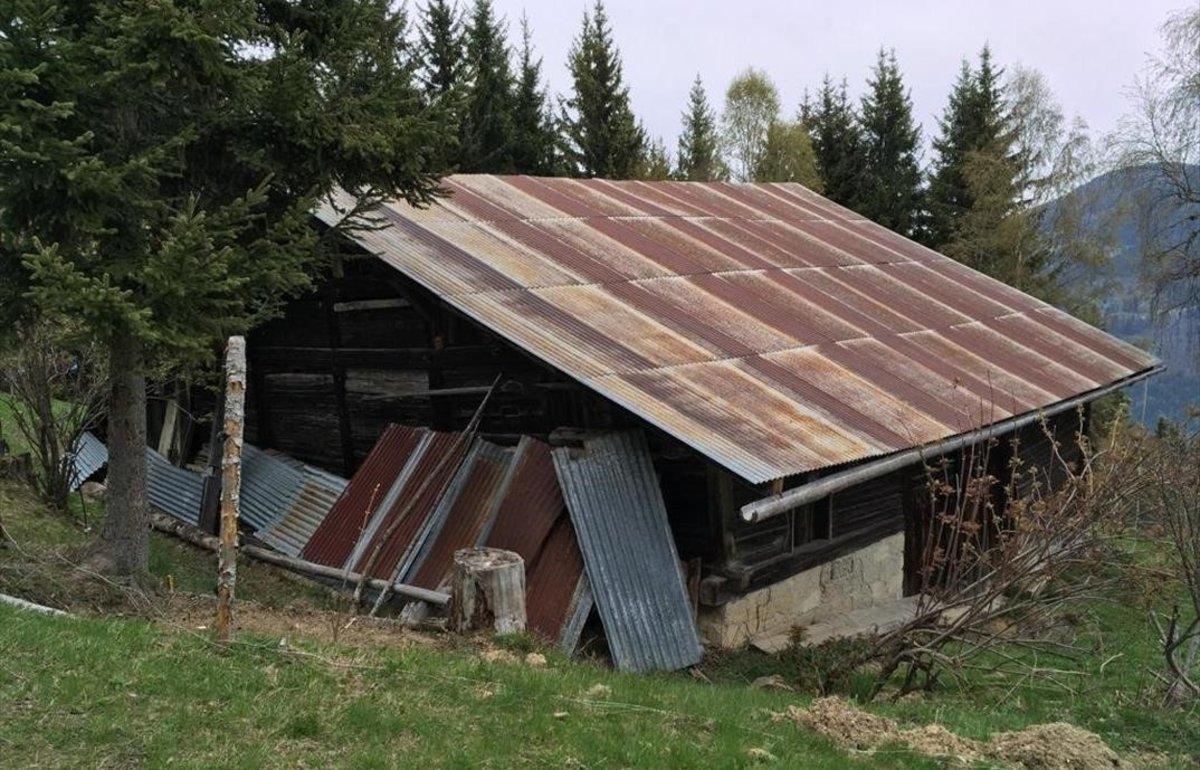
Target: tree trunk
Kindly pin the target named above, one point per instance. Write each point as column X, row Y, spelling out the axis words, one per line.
column 123, row 547
column 487, row 591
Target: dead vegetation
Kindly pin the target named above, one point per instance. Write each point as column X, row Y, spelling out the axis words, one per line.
column 1176, row 510
column 1055, row 746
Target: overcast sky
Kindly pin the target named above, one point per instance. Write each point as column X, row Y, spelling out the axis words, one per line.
column 1089, row 50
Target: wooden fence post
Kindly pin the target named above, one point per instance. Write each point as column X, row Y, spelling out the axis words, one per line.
column 231, row 482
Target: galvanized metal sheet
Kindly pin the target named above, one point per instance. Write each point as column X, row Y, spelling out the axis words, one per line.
column 174, row 491
column 310, row 502
column 658, row 295
column 88, row 456
column 620, row 520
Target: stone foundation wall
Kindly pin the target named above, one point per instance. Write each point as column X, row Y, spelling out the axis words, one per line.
column 870, row 575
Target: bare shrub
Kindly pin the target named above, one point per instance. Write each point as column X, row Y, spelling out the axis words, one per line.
column 1005, row 556
column 56, row 393
column 1176, row 498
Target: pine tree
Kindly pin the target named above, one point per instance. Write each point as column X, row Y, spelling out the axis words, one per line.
column 440, row 49
column 699, row 155
column 891, row 192
column 487, row 131
column 533, row 125
column 158, row 173
column 973, row 121
column 837, row 143
column 601, row 137
column 656, row 162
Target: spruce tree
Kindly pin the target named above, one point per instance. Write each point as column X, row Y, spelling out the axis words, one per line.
column 891, row 192
column 487, row 131
column 533, row 125
column 973, row 121
column 656, row 162
column 699, row 155
column 837, row 143
column 440, row 49
column 601, row 137
column 159, row 166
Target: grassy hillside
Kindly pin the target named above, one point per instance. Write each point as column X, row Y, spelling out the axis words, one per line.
column 297, row 689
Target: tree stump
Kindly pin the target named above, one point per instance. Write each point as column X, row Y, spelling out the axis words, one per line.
column 487, row 591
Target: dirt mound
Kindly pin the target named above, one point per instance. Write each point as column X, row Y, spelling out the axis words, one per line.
column 1057, row 746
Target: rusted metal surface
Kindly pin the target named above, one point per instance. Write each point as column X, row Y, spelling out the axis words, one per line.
column 337, row 534
column 416, row 498
column 531, row 520
column 628, row 551
column 768, row 328
column 464, row 512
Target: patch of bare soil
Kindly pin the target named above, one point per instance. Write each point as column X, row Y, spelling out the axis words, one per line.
column 196, row 613
column 1057, row 746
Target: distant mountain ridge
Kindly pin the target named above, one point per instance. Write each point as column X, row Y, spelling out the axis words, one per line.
column 1110, row 200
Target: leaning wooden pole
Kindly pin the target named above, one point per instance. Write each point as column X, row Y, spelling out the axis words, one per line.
column 231, row 483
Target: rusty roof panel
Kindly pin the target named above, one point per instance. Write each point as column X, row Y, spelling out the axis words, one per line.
column 532, row 520
column 530, row 505
column 670, row 297
column 462, row 515
column 336, row 536
column 557, row 595
column 411, row 504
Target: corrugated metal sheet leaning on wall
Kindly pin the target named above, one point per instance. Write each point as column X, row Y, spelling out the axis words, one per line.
column 617, row 508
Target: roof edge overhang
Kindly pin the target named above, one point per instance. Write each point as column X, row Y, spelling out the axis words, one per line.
column 777, row 504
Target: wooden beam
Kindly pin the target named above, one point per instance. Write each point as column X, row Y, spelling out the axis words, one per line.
column 187, row 532
column 338, row 372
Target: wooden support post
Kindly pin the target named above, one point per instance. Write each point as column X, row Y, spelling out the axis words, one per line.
column 487, row 591
column 231, row 483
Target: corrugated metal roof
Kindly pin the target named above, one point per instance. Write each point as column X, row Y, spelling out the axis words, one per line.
column 310, row 502
column 337, row 534
column 532, row 520
column 619, row 517
column 462, row 515
column 174, row 491
column 772, row 330
column 90, row 455
column 405, row 475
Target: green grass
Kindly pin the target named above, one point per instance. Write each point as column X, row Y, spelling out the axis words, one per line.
column 100, row 692
column 116, row 692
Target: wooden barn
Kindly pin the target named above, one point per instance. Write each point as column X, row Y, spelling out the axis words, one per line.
column 790, row 362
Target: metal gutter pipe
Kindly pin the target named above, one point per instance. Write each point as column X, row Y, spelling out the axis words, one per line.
column 763, row 509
